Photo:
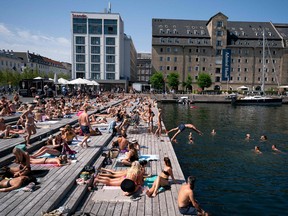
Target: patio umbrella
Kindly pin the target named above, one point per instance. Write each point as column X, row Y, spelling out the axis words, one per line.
column 93, row 83
column 79, row 81
column 63, row 81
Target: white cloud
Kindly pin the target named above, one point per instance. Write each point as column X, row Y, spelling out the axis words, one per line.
column 21, row 40
column 4, row 30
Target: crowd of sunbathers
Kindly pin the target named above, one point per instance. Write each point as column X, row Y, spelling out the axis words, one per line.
column 130, row 180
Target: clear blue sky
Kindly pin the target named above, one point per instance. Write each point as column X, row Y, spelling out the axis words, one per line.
column 43, row 26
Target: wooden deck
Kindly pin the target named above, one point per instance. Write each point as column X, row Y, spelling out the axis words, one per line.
column 165, row 203
column 58, row 187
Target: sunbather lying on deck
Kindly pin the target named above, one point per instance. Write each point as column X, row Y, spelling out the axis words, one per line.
column 60, row 161
column 7, row 184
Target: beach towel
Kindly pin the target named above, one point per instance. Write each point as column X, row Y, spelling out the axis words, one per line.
column 47, row 122
column 114, row 194
column 141, row 157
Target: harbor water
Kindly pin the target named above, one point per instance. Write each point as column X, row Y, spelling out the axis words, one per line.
column 231, row 178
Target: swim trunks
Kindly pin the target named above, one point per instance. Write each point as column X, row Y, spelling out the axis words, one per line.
column 181, row 127
column 85, row 129
column 189, row 210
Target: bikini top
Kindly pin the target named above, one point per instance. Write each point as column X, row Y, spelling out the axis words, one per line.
column 165, row 172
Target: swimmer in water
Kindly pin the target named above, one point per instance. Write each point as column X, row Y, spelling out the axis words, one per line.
column 213, row 132
column 257, row 150
column 275, row 149
column 263, row 138
column 248, row 137
column 190, row 138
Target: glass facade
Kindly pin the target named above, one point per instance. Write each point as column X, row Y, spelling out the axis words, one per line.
column 80, row 25
column 80, row 67
column 110, row 27
column 110, row 67
column 110, row 50
column 110, row 59
column 80, row 49
column 95, row 40
column 95, row 67
column 80, row 58
column 110, row 41
column 95, row 49
column 95, row 76
column 95, row 58
column 95, row 26
column 110, row 76
column 80, row 40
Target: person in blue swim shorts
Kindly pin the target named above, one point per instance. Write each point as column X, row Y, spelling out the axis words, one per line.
column 181, row 128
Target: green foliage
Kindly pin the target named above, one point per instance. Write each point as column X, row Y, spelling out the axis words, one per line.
column 188, row 83
column 14, row 77
column 157, row 81
column 204, row 80
column 173, row 80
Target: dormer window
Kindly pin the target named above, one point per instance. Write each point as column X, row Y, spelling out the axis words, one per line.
column 219, row 24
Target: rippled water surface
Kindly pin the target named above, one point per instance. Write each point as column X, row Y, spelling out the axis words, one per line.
column 231, row 178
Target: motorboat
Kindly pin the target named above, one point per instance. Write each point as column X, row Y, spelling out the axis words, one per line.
column 184, row 100
column 260, row 100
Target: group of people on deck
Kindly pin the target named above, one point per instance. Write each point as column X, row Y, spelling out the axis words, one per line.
column 130, row 179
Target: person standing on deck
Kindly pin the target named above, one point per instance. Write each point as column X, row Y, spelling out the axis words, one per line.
column 181, row 128
column 29, row 123
column 159, row 123
column 85, row 127
column 187, row 204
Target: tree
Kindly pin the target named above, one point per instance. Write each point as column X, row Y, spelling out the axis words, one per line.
column 173, row 80
column 157, row 81
column 204, row 80
column 188, row 83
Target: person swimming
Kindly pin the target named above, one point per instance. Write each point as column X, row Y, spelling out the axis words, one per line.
column 275, row 149
column 257, row 150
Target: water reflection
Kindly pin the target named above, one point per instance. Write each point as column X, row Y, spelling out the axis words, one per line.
column 232, row 179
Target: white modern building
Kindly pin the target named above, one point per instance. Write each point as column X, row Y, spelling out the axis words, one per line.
column 99, row 49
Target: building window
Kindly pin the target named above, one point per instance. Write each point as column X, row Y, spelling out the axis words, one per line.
column 239, row 60
column 219, row 24
column 110, row 41
column 110, row 67
column 190, row 59
column 95, row 76
column 245, row 69
column 161, row 68
column 110, row 27
column 203, row 68
column 161, row 59
column 168, row 49
column 80, row 25
column 175, row 59
column 218, row 43
column 95, row 40
column 95, row 67
column 204, row 51
column 196, row 68
column 219, row 33
column 197, row 59
column 197, row 50
column 110, row 76
column 168, row 59
column 168, row 68
column 110, row 59
column 190, row 50
column 80, row 40
column 246, row 60
column 175, row 68
column 95, row 58
column 95, row 49
column 95, row 26
column 175, row 50
column 239, row 69
column 110, row 50
column 80, row 49
column 80, row 75
column 161, row 50
column 189, row 68
column 218, row 52
column 80, row 67
column 80, row 58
